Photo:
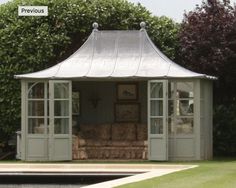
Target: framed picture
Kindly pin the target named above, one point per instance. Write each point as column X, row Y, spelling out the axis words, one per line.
column 127, row 112
column 127, row 91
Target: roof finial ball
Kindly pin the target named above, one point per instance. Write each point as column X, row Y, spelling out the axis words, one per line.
column 95, row 25
column 142, row 25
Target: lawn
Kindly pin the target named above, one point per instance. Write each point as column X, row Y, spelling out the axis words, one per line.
column 210, row 174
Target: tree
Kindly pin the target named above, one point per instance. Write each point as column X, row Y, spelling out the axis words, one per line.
column 208, row 45
column 33, row 43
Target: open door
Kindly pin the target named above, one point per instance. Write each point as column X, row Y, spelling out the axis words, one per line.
column 60, row 123
column 47, row 126
column 157, row 120
column 34, row 121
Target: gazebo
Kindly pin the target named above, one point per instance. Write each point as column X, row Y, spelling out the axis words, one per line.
column 117, row 93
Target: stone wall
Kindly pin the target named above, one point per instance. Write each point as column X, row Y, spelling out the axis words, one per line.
column 111, row 141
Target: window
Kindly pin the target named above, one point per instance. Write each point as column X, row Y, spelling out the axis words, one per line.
column 61, row 108
column 180, row 107
column 156, row 108
column 36, row 107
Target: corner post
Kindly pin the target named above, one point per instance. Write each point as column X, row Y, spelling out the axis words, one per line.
column 197, row 119
column 23, row 120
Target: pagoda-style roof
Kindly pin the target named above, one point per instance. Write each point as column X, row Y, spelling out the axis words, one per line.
column 116, row 54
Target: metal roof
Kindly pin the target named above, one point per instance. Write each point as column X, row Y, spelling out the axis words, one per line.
column 116, row 54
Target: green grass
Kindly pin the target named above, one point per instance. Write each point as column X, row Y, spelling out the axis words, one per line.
column 209, row 174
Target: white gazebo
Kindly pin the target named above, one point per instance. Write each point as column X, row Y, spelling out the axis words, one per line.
column 115, row 78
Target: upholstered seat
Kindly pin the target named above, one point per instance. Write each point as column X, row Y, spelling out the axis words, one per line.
column 111, row 141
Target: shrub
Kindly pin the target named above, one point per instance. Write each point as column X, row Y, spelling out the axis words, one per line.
column 224, row 130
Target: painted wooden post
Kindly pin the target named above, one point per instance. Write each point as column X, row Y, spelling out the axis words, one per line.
column 208, row 120
column 23, row 120
column 51, row 120
column 197, row 118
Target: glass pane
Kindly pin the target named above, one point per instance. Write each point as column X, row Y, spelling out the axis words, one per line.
column 184, row 89
column 184, row 107
column 171, row 90
column 156, row 126
column 36, row 91
column 171, row 108
column 35, row 125
column 61, row 108
column 61, row 90
column 171, row 126
column 156, row 108
column 61, row 126
column 35, row 108
column 47, row 90
column 47, row 107
column 184, row 125
column 156, row 90
column 48, row 122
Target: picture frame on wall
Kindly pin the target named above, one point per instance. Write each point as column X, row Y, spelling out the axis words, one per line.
column 127, row 112
column 127, row 91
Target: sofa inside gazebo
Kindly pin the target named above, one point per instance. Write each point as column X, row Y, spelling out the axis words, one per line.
column 117, row 97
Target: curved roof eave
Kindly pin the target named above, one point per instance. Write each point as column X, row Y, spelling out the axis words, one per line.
column 116, row 55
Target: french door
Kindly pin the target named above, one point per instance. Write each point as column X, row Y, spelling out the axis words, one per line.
column 48, row 133
column 60, row 126
column 157, row 120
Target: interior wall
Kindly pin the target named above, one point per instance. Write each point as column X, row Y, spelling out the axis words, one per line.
column 106, row 93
